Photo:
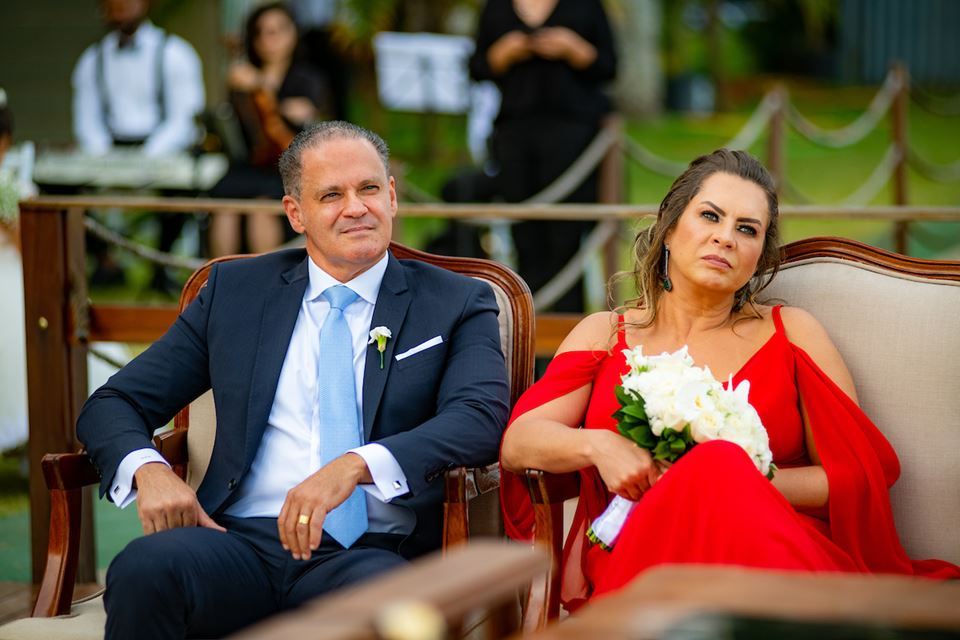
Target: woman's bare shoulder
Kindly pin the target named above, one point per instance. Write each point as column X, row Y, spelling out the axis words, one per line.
column 803, row 328
column 806, row 332
column 596, row 332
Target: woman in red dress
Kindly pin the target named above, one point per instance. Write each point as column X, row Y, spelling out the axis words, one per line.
column 696, row 268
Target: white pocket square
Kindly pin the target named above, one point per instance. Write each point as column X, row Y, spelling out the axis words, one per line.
column 432, row 342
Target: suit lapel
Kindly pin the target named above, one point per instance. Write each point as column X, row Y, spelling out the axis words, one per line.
column 390, row 311
column 280, row 311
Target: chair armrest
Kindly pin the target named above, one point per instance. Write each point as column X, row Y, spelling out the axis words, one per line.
column 66, row 474
column 461, row 485
column 172, row 445
column 548, row 492
column 65, row 471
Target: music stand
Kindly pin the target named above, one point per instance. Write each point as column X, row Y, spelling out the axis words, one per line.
column 423, row 72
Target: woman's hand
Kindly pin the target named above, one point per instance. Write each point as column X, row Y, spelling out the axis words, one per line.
column 243, row 76
column 625, row 468
column 511, row 48
column 561, row 43
column 298, row 111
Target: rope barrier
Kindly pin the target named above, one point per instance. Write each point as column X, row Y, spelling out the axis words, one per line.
column 856, row 130
column 417, row 194
column 646, row 158
column 753, row 128
column 878, row 178
column 931, row 171
column 105, row 357
column 558, row 190
column 865, row 192
column 576, row 173
column 147, row 253
column 548, row 295
column 794, row 194
column 745, row 138
column 943, row 106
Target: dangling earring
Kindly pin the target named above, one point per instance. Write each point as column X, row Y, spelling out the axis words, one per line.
column 667, row 285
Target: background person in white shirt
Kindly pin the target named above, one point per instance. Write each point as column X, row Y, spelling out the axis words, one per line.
column 142, row 88
column 254, row 538
column 138, row 86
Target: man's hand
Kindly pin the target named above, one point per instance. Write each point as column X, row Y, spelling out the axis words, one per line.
column 164, row 501
column 314, row 498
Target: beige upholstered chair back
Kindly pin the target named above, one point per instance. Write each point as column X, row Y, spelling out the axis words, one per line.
column 516, row 340
column 895, row 321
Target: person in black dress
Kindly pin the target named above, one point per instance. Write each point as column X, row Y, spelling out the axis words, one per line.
column 551, row 60
column 274, row 95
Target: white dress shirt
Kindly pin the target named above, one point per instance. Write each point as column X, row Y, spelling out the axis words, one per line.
column 290, row 447
column 131, row 83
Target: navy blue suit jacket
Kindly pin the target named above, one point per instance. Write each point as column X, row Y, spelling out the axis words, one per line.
column 442, row 407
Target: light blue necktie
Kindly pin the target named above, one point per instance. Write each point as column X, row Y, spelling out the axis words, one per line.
column 339, row 423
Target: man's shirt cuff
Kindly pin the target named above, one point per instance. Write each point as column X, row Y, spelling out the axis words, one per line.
column 121, row 491
column 389, row 481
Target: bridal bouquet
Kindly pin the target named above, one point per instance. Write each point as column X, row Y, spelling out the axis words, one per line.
column 668, row 405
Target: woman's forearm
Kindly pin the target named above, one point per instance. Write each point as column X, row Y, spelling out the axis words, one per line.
column 803, row 487
column 546, row 445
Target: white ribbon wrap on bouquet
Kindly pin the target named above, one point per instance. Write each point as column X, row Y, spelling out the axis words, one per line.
column 606, row 528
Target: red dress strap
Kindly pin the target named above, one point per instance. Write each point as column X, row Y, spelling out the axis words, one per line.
column 621, row 331
column 777, row 320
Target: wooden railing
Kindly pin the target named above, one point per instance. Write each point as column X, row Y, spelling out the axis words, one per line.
column 60, row 321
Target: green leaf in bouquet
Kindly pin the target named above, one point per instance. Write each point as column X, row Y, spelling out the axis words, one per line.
column 635, row 411
column 622, row 396
column 662, row 451
column 640, row 434
column 678, row 446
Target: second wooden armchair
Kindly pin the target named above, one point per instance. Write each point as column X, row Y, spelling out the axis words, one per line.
column 893, row 318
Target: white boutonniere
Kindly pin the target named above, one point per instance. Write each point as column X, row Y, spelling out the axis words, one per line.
column 380, row 335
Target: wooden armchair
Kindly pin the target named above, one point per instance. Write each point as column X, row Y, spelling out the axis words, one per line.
column 894, row 320
column 189, row 445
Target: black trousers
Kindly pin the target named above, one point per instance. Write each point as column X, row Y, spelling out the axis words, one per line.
column 531, row 154
column 197, row 582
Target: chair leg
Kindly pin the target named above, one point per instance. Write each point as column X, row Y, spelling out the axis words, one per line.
column 56, row 589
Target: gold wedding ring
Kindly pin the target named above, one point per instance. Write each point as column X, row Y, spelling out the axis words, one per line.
column 303, row 519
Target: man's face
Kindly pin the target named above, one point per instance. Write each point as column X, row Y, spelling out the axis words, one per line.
column 346, row 207
column 124, row 15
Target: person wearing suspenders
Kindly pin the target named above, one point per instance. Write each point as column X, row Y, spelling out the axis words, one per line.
column 137, row 87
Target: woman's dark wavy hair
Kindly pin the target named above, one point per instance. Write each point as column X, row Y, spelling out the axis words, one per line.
column 251, row 29
column 648, row 245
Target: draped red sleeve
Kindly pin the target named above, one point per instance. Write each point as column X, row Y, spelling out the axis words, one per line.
column 567, row 372
column 861, row 466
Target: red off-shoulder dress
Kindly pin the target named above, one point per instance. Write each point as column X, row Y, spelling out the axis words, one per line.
column 713, row 506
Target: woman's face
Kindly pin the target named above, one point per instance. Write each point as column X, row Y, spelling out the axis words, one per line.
column 276, row 37
column 719, row 237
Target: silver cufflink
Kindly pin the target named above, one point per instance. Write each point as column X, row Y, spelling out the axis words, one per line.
column 396, row 484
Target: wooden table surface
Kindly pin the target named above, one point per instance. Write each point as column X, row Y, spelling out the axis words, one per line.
column 664, row 596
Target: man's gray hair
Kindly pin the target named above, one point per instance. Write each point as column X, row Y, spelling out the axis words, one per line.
column 291, row 160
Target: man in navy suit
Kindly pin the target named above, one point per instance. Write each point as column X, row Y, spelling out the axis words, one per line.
column 257, row 536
